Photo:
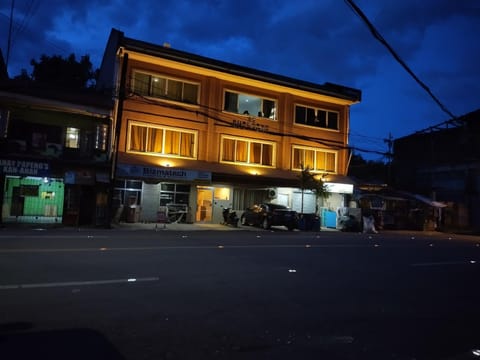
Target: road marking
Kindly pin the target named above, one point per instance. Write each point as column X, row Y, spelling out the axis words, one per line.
column 181, row 247
column 76, row 283
column 442, row 263
column 53, row 236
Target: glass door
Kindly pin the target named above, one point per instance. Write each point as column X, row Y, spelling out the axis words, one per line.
column 204, row 204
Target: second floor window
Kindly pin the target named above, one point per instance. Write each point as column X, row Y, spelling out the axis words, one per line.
column 321, row 118
column 72, row 138
column 249, row 105
column 162, row 140
column 165, row 88
column 318, row 160
column 247, row 151
column 101, row 137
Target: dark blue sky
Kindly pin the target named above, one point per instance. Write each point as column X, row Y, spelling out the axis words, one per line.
column 315, row 40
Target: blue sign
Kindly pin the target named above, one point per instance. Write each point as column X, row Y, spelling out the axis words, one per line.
column 162, row 173
column 24, row 168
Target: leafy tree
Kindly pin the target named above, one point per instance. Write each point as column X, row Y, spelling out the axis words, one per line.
column 62, row 72
column 309, row 182
column 368, row 170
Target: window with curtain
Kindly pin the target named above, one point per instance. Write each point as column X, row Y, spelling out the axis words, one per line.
column 316, row 160
column 72, row 138
column 246, row 151
column 138, row 138
column 157, row 140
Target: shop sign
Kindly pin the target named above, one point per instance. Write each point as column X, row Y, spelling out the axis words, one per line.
column 339, row 188
column 162, row 173
column 24, row 168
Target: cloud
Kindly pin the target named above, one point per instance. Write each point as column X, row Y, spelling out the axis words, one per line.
column 317, row 41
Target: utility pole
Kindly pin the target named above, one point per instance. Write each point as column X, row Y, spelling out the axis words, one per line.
column 9, row 42
column 389, row 142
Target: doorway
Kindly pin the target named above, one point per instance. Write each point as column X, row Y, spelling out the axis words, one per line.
column 204, row 204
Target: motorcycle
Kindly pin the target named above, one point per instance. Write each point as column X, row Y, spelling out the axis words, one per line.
column 230, row 217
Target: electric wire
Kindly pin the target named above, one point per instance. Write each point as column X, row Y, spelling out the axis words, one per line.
column 380, row 38
column 206, row 109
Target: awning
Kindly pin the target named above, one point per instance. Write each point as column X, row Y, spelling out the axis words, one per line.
column 429, row 201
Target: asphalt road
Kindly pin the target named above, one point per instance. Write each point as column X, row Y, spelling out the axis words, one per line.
column 114, row 294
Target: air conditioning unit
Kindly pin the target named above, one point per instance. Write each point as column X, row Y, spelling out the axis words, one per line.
column 272, row 193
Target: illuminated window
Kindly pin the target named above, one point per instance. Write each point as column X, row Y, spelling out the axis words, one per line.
column 221, row 193
column 72, row 138
column 101, row 133
column 315, row 159
column 162, row 87
column 321, row 118
column 249, row 105
column 247, row 151
column 161, row 140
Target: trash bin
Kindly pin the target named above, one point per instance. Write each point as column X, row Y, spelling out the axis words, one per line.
column 309, row 222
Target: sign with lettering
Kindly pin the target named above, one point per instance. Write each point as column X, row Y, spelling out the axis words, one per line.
column 339, row 188
column 162, row 173
column 250, row 124
column 24, row 168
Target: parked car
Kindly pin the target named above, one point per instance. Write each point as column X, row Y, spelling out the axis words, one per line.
column 267, row 215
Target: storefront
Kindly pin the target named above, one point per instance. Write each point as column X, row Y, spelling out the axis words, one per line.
column 141, row 191
column 30, row 193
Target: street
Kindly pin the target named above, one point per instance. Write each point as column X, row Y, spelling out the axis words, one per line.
column 112, row 294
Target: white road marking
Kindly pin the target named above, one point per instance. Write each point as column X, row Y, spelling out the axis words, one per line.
column 442, row 263
column 76, row 283
column 183, row 247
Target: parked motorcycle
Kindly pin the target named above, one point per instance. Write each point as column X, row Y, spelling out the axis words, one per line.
column 230, row 217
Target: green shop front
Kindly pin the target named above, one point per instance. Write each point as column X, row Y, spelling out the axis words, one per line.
column 30, row 193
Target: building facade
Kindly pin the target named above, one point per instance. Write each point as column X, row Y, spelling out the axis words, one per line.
column 443, row 163
column 54, row 155
column 194, row 135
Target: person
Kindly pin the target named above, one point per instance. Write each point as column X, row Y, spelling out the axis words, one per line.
column 369, row 225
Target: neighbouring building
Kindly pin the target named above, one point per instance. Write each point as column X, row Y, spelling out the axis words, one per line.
column 195, row 135
column 54, row 155
column 443, row 163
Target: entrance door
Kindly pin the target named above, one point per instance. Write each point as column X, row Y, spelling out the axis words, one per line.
column 204, row 204
column 17, row 202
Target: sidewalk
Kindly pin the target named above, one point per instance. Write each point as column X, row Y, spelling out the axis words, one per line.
column 179, row 227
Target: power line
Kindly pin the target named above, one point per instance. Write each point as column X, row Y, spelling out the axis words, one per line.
column 380, row 38
column 222, row 122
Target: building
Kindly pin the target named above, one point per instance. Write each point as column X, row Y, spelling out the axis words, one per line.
column 443, row 163
column 194, row 135
column 54, row 155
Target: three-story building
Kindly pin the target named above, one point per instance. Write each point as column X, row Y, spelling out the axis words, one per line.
column 197, row 135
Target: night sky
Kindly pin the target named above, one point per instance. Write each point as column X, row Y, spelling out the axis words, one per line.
column 314, row 40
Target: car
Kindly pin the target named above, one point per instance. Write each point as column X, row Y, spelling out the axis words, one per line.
column 267, row 214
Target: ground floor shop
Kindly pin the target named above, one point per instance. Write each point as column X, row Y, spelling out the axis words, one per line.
column 45, row 193
column 151, row 194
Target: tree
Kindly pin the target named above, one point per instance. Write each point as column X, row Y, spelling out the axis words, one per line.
column 63, row 72
column 309, row 182
column 368, row 170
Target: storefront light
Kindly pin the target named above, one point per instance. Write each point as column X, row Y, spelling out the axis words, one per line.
column 166, row 163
